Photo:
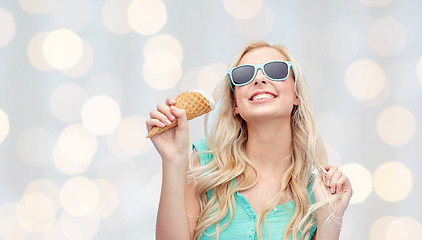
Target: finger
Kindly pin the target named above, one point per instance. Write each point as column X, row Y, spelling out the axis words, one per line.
column 180, row 114
column 155, row 114
column 341, row 183
column 331, row 170
column 154, row 122
column 164, row 109
column 334, row 181
column 171, row 101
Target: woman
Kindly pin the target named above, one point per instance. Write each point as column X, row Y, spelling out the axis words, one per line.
column 252, row 178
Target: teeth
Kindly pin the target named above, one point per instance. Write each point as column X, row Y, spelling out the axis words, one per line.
column 262, row 96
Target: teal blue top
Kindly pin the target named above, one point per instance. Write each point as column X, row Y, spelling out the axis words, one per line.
column 242, row 226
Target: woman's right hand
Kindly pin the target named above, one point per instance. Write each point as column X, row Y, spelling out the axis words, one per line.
column 173, row 144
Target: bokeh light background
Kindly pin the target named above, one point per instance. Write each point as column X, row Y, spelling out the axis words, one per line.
column 78, row 79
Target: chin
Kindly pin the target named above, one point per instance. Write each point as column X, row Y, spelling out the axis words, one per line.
column 265, row 116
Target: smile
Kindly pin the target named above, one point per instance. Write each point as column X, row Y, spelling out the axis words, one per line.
column 262, row 96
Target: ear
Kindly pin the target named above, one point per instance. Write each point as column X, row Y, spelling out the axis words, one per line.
column 296, row 102
column 236, row 110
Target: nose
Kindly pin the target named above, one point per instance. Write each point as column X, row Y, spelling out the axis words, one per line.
column 260, row 78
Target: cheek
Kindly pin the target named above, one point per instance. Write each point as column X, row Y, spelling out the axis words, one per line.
column 289, row 88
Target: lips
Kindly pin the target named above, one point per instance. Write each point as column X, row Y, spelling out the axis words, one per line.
column 261, row 95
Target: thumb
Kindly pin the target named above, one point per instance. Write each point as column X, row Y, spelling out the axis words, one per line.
column 181, row 117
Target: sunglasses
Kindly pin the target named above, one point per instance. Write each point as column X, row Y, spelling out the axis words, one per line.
column 245, row 74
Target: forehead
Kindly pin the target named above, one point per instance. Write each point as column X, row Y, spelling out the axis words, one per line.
column 261, row 55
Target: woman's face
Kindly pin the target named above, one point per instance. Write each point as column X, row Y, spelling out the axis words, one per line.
column 263, row 99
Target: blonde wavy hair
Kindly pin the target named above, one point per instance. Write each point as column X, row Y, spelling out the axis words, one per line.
column 227, row 141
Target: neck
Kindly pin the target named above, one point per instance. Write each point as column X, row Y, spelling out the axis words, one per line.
column 269, row 146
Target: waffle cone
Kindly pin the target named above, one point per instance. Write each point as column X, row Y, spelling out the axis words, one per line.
column 194, row 103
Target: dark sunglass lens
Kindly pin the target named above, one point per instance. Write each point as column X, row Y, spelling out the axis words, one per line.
column 276, row 70
column 243, row 74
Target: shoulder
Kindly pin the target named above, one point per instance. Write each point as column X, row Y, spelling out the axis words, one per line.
column 201, row 152
column 200, row 145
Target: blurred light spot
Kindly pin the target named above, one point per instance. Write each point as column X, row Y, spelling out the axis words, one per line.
column 47, row 188
column 333, row 155
column 379, row 99
column 396, row 230
column 67, row 101
column 54, row 232
column 84, row 64
column 258, row 26
column 35, row 212
column 131, row 135
column 190, row 79
column 154, row 190
column 162, row 70
column 79, row 227
column 164, row 42
column 36, row 54
column 340, row 42
column 331, row 129
column 403, row 228
column 115, row 16
column 70, row 228
column 240, row 9
column 80, row 130
column 147, row 16
column 79, row 196
column 10, row 229
column 101, row 115
column 62, row 49
column 146, row 146
column 35, row 145
column 396, row 125
column 377, row 231
column 365, row 79
column 105, row 84
column 39, row 205
column 419, row 70
column 211, row 75
column 37, row 6
column 7, row 27
column 4, row 125
column 74, row 149
column 387, row 37
column 108, row 198
column 72, row 154
column 72, row 14
column 376, row 3
column 361, row 181
column 392, row 181
column 117, row 148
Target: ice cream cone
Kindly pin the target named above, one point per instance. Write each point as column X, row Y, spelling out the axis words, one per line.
column 195, row 103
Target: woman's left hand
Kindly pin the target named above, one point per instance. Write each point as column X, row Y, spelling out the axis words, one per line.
column 336, row 183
